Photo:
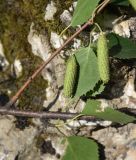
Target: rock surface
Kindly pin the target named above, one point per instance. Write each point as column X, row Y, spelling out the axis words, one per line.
column 14, row 141
column 50, row 11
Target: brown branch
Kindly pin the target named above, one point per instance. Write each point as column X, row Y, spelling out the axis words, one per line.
column 54, row 115
column 20, row 91
column 45, row 115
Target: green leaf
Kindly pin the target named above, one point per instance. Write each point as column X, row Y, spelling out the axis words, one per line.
column 93, row 108
column 80, row 148
column 99, row 88
column 120, row 2
column 120, row 47
column 88, row 70
column 83, row 11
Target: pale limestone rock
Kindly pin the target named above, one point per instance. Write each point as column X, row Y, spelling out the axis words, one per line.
column 3, row 61
column 59, row 69
column 40, row 44
column 66, row 17
column 117, row 142
column 50, row 11
column 56, row 40
column 122, row 29
column 126, row 28
column 131, row 154
column 30, row 154
column 17, row 68
column 77, row 43
column 12, row 140
column 129, row 89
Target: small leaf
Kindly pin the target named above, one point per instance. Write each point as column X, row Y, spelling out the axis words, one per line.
column 88, row 73
column 83, row 11
column 80, row 148
column 133, row 4
column 93, row 108
column 120, row 47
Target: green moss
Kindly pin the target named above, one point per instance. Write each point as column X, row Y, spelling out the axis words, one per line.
column 55, row 24
column 33, row 97
column 15, row 20
column 39, row 141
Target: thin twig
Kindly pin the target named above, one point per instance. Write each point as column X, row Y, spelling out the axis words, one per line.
column 20, row 91
column 102, row 6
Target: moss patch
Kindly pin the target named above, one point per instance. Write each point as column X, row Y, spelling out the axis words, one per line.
column 15, row 20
